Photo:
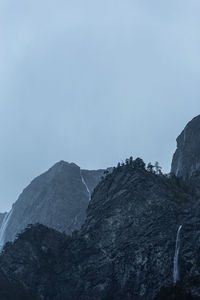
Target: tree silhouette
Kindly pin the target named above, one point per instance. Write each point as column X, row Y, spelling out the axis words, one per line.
column 150, row 168
column 127, row 161
column 139, row 163
column 158, row 168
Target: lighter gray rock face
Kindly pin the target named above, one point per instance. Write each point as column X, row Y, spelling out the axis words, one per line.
column 58, row 199
column 93, row 177
column 2, row 216
column 186, row 160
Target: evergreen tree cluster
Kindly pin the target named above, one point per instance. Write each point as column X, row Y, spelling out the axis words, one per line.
column 138, row 163
column 130, row 162
column 156, row 168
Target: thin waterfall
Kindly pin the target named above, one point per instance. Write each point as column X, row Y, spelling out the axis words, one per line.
column 83, row 181
column 3, row 228
column 176, row 254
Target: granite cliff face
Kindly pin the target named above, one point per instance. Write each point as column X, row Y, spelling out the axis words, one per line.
column 125, row 249
column 186, row 160
column 58, row 199
column 140, row 239
column 2, row 216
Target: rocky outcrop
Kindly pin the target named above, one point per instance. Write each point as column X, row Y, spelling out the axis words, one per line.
column 125, row 249
column 133, row 222
column 186, row 160
column 58, row 199
column 2, row 216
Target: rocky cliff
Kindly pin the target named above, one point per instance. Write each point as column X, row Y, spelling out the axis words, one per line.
column 186, row 160
column 58, row 199
column 125, row 249
column 2, row 216
column 140, row 239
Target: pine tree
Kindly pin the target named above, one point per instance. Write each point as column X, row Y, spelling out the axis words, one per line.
column 158, row 168
column 139, row 163
column 150, row 168
column 127, row 161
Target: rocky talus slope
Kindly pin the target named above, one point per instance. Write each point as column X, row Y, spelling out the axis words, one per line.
column 58, row 199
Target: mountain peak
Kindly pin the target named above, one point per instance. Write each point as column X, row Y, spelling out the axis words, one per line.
column 186, row 160
column 63, row 164
column 58, row 198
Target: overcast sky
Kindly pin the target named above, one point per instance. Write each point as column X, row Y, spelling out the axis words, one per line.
column 93, row 82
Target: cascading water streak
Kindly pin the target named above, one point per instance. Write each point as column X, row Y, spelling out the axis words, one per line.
column 83, row 181
column 176, row 255
column 3, row 228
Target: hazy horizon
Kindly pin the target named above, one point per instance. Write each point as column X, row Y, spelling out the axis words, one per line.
column 93, row 83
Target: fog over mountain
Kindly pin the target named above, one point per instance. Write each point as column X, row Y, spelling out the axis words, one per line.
column 92, row 82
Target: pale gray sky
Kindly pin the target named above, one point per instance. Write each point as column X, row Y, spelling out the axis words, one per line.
column 93, row 82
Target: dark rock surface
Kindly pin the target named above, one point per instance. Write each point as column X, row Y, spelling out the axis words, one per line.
column 58, row 199
column 175, row 293
column 133, row 221
column 186, row 160
column 125, row 249
column 12, row 290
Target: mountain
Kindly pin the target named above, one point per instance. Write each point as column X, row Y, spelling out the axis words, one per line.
column 125, row 249
column 58, row 199
column 140, row 241
column 186, row 160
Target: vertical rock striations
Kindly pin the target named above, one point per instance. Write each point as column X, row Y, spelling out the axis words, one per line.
column 3, row 228
column 58, row 199
column 186, row 160
column 2, row 216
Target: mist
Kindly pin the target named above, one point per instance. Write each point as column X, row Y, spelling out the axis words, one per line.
column 93, row 83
